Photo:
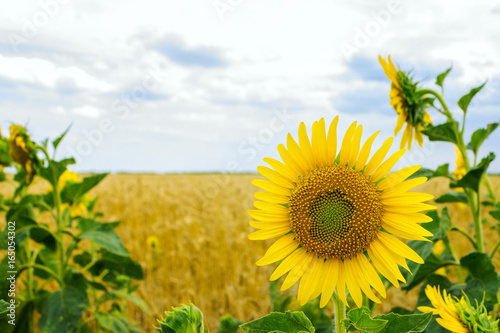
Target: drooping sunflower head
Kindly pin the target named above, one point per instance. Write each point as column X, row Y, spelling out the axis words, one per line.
column 409, row 103
column 337, row 214
column 458, row 315
column 21, row 150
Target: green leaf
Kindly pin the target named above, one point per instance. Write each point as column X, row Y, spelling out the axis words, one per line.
column 447, row 132
column 360, row 319
column 472, row 178
column 440, row 78
column 52, row 172
column 479, row 136
column 405, row 323
column 441, row 171
column 4, row 309
column 288, row 322
column 56, row 142
column 103, row 235
column 229, row 325
column 483, row 279
column 279, row 301
column 116, row 264
column 452, row 196
column 49, row 259
column 112, row 323
column 74, row 191
column 62, row 310
column 465, row 100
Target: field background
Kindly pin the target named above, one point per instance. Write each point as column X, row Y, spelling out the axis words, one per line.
column 204, row 255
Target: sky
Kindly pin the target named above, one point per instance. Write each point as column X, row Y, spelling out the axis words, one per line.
column 203, row 86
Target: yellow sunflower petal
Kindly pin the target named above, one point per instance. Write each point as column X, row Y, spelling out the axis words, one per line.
column 297, row 271
column 308, row 282
column 378, row 157
column 268, row 225
column 371, row 275
column 362, row 281
column 403, row 187
column 271, row 187
column 305, row 146
column 279, row 250
column 386, row 166
column 332, row 268
column 397, row 177
column 408, row 198
column 331, row 141
column 288, row 263
column 269, row 233
column 296, row 154
column 346, row 144
column 320, row 149
column 266, row 216
column 400, row 122
column 399, row 247
column 354, row 148
column 289, row 161
column 353, row 283
column 271, row 197
column 282, row 169
column 341, row 284
column 275, row 177
column 271, row 208
column 365, row 152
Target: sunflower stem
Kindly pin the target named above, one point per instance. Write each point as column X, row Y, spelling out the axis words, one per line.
column 466, row 234
column 440, row 98
column 339, row 313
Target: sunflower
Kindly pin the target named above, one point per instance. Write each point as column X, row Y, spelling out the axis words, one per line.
column 408, row 103
column 21, row 150
column 152, row 243
column 458, row 315
column 460, row 171
column 338, row 214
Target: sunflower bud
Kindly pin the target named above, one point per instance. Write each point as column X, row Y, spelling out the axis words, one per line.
column 183, row 319
column 21, row 150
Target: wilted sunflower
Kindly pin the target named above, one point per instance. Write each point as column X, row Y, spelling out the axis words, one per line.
column 408, row 103
column 458, row 315
column 336, row 213
column 21, row 151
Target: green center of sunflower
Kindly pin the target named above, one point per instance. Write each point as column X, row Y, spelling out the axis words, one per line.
column 335, row 211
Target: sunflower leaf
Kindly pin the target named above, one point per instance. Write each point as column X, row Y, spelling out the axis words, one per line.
column 440, row 78
column 360, row 319
column 405, row 323
column 56, row 142
column 483, row 279
column 479, row 136
column 447, row 132
column 288, row 322
column 473, row 177
column 452, row 196
column 465, row 100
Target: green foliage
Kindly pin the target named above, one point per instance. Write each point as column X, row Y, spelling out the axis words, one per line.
column 465, row 100
column 278, row 322
column 229, row 324
column 53, row 254
column 440, row 78
column 183, row 319
column 479, row 136
column 360, row 320
column 452, row 196
column 473, row 177
column 447, row 132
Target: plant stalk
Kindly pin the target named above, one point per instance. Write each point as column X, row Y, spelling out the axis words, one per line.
column 339, row 313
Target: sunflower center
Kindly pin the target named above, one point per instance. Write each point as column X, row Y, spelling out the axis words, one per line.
column 335, row 211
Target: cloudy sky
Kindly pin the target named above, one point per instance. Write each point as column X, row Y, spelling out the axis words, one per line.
column 198, row 86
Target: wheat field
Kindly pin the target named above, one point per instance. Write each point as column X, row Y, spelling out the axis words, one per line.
column 204, row 255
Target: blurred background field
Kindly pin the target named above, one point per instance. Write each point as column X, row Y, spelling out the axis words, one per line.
column 203, row 253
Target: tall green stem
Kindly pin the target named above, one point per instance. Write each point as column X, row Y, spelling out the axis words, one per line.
column 339, row 313
column 475, row 207
column 441, row 100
